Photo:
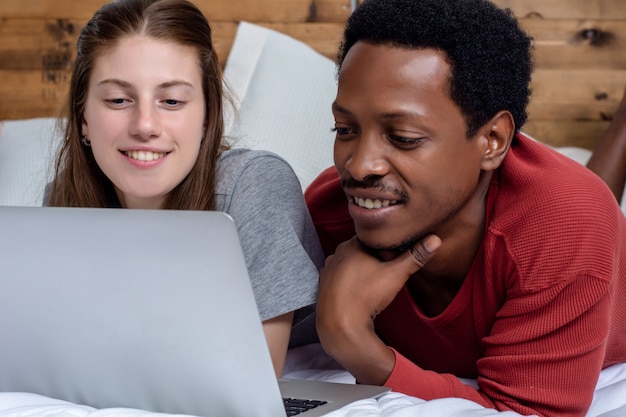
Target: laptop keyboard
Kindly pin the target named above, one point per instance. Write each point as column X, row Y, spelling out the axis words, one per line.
column 295, row 406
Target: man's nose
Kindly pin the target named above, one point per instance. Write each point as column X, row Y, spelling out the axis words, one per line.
column 368, row 157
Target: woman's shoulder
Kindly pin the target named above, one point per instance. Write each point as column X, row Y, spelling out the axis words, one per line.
column 254, row 169
column 236, row 160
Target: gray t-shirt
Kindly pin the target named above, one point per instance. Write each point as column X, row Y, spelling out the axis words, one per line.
column 260, row 191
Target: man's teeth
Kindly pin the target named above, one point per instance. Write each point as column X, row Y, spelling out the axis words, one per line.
column 368, row 203
column 145, row 155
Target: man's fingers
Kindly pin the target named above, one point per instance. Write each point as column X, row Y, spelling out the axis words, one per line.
column 423, row 250
column 420, row 253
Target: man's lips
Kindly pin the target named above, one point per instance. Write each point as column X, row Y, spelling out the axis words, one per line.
column 371, row 194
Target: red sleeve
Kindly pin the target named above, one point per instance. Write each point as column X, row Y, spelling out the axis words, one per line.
column 409, row 378
column 328, row 206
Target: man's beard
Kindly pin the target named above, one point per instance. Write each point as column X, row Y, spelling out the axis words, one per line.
column 376, row 183
column 391, row 252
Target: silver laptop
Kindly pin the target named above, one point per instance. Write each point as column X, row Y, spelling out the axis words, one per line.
column 143, row 309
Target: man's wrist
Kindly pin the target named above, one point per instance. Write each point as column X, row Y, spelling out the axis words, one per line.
column 364, row 355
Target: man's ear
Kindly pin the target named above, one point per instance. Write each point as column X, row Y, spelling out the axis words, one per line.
column 499, row 132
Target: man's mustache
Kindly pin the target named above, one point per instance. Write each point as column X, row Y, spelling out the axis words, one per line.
column 374, row 183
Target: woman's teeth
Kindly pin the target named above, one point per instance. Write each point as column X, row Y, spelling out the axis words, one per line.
column 145, row 155
column 373, row 204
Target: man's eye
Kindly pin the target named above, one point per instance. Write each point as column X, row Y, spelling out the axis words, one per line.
column 341, row 130
column 402, row 140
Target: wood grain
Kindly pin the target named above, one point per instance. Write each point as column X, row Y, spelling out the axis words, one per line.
column 566, row 9
column 579, row 47
column 573, row 44
column 215, row 10
column 583, row 134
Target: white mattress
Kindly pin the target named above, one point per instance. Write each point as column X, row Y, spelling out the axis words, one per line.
column 309, row 362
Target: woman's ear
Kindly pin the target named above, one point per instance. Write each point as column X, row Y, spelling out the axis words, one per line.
column 499, row 133
column 84, row 131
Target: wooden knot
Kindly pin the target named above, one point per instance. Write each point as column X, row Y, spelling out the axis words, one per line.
column 594, row 36
column 601, row 96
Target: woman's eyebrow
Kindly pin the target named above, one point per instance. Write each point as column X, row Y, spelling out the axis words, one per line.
column 115, row 81
column 126, row 84
column 175, row 83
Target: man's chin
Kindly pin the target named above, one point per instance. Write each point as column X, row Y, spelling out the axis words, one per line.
column 386, row 251
column 387, row 255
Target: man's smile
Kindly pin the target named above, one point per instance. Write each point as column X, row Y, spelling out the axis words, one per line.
column 369, row 203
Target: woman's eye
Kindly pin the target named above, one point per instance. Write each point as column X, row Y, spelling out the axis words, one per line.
column 118, row 103
column 171, row 103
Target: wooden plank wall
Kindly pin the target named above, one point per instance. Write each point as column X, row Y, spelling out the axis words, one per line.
column 37, row 39
column 580, row 66
column 580, row 49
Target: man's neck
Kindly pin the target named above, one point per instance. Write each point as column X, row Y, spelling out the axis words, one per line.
column 435, row 286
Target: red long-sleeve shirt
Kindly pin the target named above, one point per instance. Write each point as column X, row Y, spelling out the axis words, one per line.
column 543, row 307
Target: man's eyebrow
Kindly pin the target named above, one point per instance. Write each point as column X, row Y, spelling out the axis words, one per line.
column 401, row 115
column 390, row 115
column 336, row 107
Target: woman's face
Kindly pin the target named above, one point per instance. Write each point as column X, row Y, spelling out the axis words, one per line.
column 144, row 116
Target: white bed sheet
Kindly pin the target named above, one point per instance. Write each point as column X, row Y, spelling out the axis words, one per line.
column 309, row 362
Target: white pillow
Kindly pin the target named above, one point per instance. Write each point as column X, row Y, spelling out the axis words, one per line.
column 284, row 90
column 27, row 149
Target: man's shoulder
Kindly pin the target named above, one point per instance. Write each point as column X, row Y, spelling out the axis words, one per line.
column 537, row 182
column 551, row 216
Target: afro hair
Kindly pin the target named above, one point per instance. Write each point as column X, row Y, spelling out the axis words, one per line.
column 489, row 54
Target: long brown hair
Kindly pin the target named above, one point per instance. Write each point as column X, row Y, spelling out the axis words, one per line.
column 79, row 182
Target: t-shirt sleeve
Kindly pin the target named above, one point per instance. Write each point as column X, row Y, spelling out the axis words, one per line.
column 279, row 241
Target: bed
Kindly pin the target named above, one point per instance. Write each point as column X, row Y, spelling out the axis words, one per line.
column 310, row 362
column 279, row 86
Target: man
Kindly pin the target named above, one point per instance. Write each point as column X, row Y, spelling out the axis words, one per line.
column 479, row 253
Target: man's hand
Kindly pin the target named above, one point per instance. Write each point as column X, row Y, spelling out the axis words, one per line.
column 354, row 288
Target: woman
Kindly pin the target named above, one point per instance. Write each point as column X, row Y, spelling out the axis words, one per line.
column 144, row 131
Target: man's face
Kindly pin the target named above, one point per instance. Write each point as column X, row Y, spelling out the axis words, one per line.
column 406, row 164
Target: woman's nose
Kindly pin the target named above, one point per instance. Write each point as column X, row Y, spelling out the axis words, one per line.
column 146, row 123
